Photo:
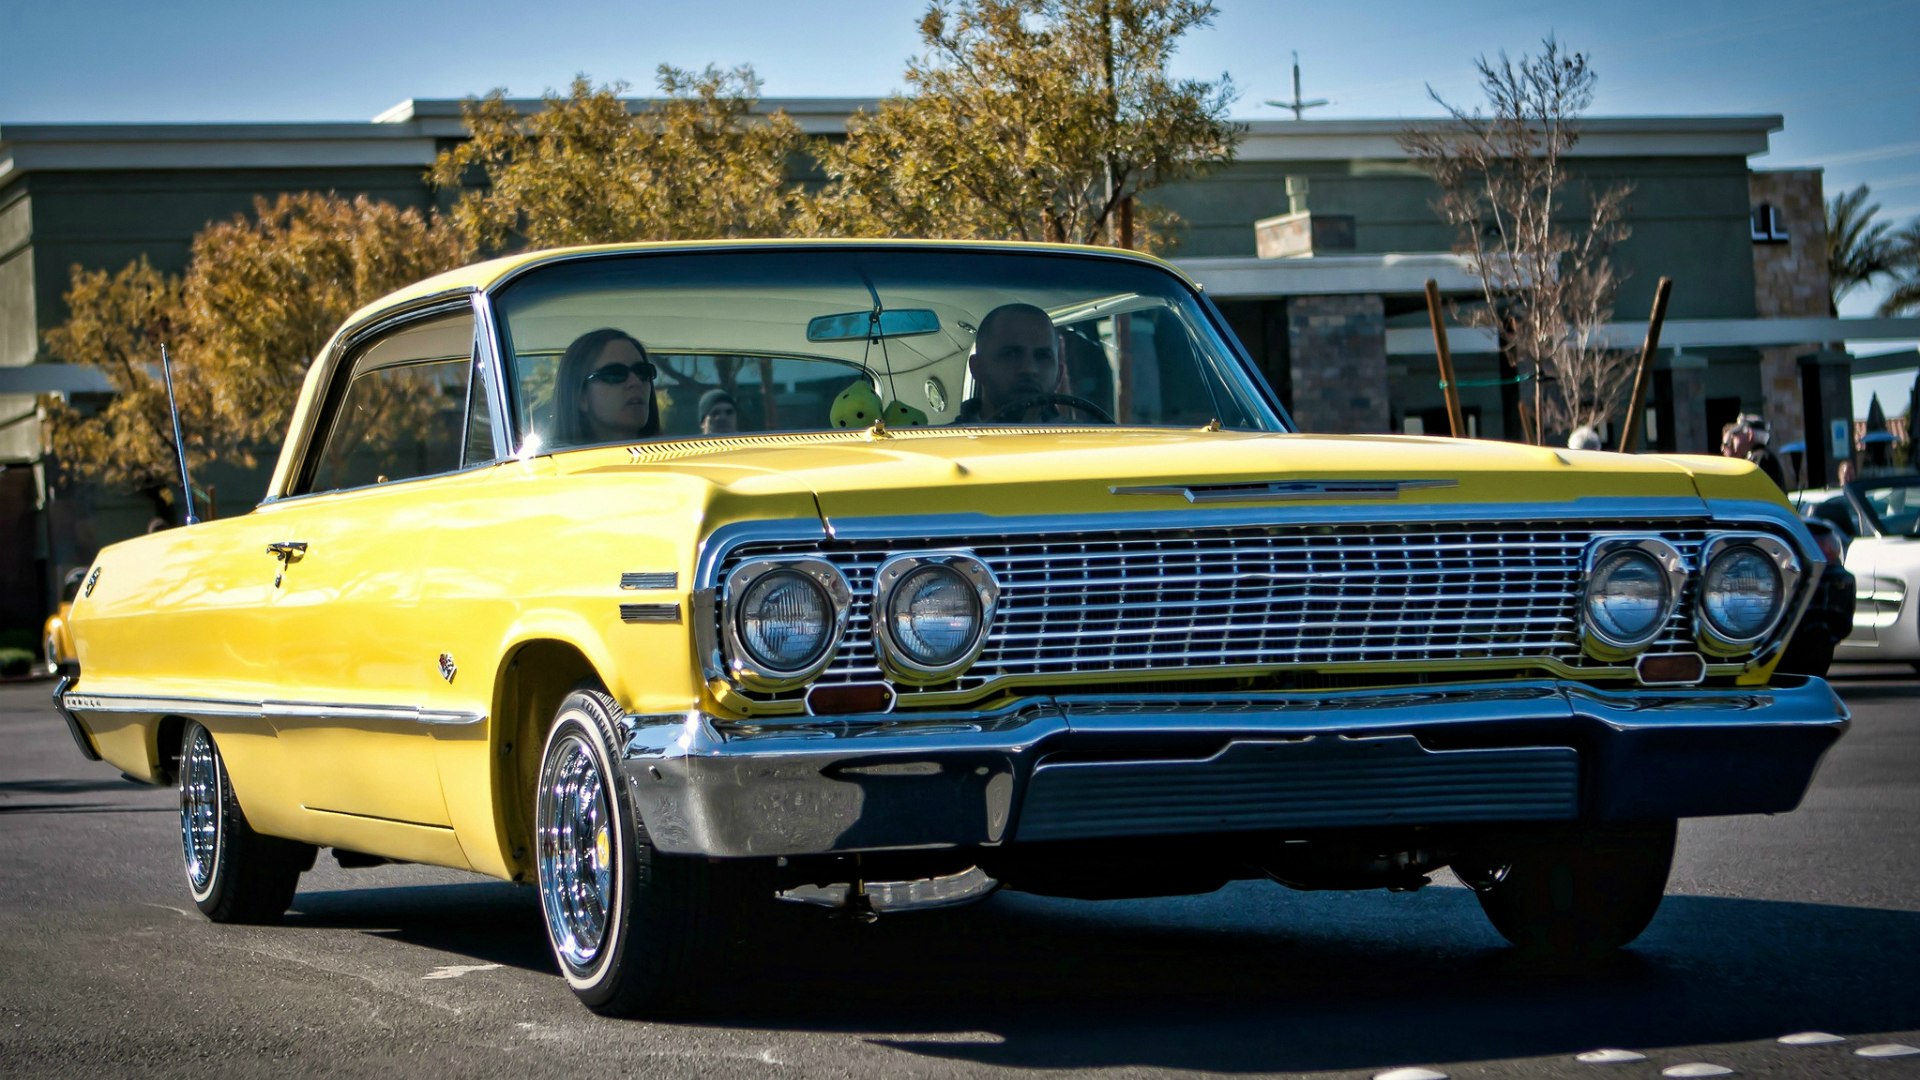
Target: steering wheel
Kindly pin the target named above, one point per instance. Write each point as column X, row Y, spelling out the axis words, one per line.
column 1075, row 401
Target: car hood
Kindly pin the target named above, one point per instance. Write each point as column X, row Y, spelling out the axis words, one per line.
column 1071, row 471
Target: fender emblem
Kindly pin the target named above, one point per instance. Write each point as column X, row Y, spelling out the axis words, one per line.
column 447, row 667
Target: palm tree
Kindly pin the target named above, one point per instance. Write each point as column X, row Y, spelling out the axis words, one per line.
column 1903, row 263
column 1857, row 246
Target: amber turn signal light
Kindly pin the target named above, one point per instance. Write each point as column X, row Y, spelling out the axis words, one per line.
column 1671, row 669
column 850, row 699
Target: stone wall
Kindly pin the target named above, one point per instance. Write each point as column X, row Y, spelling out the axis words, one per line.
column 1337, row 346
column 1789, row 281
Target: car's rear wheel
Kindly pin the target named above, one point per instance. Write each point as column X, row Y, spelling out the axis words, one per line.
column 1576, row 892
column 634, row 931
column 235, row 874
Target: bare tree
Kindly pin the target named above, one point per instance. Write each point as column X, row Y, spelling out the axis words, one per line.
column 1540, row 242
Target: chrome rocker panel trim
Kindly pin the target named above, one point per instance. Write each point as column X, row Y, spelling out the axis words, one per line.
column 70, row 703
column 965, row 779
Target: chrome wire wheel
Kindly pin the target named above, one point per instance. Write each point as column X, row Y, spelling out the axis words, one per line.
column 576, row 851
column 200, row 797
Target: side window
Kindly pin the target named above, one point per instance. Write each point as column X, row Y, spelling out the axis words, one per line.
column 403, row 411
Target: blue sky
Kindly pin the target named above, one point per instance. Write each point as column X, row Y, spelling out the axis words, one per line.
column 1842, row 73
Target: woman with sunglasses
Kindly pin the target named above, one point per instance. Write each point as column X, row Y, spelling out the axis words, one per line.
column 605, row 390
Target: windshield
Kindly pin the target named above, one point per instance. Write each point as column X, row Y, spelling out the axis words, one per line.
column 1893, row 505
column 685, row 345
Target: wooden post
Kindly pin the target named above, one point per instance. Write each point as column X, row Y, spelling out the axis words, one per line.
column 1448, row 384
column 1126, row 223
column 1636, row 405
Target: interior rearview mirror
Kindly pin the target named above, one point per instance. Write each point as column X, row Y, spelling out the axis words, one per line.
column 886, row 323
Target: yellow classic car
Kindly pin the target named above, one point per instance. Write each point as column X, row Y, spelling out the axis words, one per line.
column 58, row 641
column 672, row 579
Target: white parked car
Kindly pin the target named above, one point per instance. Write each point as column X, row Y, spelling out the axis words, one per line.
column 1881, row 516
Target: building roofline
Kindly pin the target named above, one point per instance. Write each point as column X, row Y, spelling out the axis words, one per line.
column 407, row 134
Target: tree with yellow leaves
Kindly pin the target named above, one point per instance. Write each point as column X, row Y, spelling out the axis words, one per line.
column 587, row 168
column 1032, row 120
column 259, row 300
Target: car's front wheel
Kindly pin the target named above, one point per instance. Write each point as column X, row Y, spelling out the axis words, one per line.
column 634, row 931
column 235, row 874
column 1576, row 892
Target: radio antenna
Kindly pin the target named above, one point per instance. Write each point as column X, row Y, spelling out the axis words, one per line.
column 179, row 445
column 1298, row 106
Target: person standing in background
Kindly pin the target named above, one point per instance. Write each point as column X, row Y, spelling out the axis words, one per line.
column 1747, row 438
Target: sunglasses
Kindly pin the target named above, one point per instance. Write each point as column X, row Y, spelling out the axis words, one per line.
column 618, row 374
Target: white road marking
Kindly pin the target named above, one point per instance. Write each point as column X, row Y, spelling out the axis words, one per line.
column 1810, row 1038
column 1696, row 1068
column 1887, row 1050
column 182, row 912
column 317, row 966
column 1412, row 1072
column 1609, row 1057
column 454, row 971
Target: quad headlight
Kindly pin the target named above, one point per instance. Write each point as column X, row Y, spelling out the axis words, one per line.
column 1633, row 584
column 931, row 612
column 784, row 620
column 1745, row 586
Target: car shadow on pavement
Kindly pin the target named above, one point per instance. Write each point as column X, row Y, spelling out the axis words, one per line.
column 1305, row 982
column 1252, row 978
column 492, row 921
column 53, row 788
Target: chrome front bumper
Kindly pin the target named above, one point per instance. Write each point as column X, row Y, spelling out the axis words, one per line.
column 1082, row 766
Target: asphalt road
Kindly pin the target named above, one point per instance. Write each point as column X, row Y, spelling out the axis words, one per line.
column 1772, row 926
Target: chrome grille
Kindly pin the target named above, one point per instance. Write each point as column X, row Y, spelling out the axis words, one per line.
column 1185, row 600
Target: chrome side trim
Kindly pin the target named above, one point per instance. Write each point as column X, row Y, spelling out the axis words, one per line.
column 401, row 713
column 261, row 710
column 183, row 706
column 651, row 580
column 650, row 613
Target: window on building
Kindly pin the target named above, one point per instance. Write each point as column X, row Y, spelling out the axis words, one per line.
column 1768, row 226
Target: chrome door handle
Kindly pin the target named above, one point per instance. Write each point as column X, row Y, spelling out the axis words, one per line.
column 288, row 552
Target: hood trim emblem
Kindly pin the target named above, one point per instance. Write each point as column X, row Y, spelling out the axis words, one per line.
column 1285, row 490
